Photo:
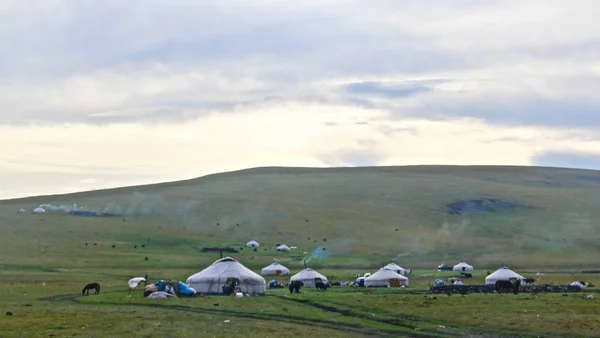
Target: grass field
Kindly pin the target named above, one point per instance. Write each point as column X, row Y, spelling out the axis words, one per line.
column 365, row 217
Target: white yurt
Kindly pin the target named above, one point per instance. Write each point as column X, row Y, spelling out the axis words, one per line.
column 503, row 273
column 308, row 276
column 253, row 244
column 275, row 269
column 223, row 271
column 396, row 268
column 462, row 266
column 385, row 277
column 39, row 211
column 284, row 248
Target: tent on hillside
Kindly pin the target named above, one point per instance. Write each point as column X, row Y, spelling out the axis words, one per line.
column 275, row 269
column 284, row 248
column 462, row 266
column 309, row 277
column 39, row 211
column 253, row 244
column 504, row 274
column 396, row 268
column 227, row 271
column 385, row 277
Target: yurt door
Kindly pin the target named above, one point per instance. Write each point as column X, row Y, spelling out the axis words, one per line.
column 278, row 272
column 394, row 283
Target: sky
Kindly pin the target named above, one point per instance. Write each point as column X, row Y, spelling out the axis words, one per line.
column 104, row 94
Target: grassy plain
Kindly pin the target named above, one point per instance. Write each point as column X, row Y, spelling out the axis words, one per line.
column 365, row 217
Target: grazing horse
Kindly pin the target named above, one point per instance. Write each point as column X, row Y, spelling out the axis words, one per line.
column 295, row 286
column 508, row 285
column 91, row 286
column 322, row 286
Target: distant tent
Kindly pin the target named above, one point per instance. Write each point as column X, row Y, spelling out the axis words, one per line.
column 309, row 277
column 275, row 269
column 39, row 211
column 223, row 271
column 253, row 244
column 284, row 248
column 385, row 277
column 396, row 268
column 21, row 211
column 462, row 266
column 503, row 274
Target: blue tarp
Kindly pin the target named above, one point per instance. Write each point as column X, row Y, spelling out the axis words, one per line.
column 185, row 290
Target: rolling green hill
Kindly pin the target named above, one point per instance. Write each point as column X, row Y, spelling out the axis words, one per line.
column 532, row 217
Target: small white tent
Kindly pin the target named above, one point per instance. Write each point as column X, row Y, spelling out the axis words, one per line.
column 275, row 269
column 396, row 268
column 284, row 248
column 223, row 271
column 504, row 274
column 385, row 277
column 462, row 266
column 253, row 244
column 308, row 276
column 39, row 211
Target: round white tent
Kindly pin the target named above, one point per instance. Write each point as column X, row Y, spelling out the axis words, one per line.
column 308, row 276
column 223, row 271
column 396, row 268
column 462, row 266
column 253, row 244
column 39, row 211
column 275, row 269
column 504, row 274
column 385, row 277
column 284, row 248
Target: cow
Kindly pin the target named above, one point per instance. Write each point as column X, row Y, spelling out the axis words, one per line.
column 322, row 286
column 295, row 286
column 511, row 285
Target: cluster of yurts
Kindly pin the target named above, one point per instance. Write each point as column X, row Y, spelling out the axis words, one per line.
column 219, row 273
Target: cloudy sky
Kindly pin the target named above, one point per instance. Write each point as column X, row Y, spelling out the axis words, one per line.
column 97, row 94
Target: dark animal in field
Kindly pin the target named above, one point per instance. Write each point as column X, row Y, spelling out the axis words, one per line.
column 529, row 280
column 466, row 275
column 91, row 286
column 322, row 286
column 505, row 285
column 295, row 286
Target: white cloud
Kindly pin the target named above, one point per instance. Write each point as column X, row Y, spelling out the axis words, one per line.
column 213, row 85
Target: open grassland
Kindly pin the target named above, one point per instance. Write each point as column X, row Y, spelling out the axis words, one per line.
column 56, row 308
column 365, row 217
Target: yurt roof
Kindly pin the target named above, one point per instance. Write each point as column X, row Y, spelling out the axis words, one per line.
column 308, row 273
column 227, row 267
column 393, row 266
column 504, row 273
column 463, row 264
column 275, row 265
column 385, row 274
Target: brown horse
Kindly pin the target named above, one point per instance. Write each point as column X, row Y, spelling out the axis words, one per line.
column 91, row 286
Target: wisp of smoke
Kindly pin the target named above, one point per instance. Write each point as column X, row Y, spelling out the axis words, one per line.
column 65, row 208
column 319, row 253
column 402, row 255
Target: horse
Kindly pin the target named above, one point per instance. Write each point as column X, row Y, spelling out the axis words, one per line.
column 322, row 286
column 295, row 286
column 91, row 286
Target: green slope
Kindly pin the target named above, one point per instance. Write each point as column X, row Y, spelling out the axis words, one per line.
column 363, row 216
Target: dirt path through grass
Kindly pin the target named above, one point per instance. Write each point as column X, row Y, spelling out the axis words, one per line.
column 335, row 325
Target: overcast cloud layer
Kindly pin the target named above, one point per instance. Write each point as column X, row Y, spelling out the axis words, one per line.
column 317, row 83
